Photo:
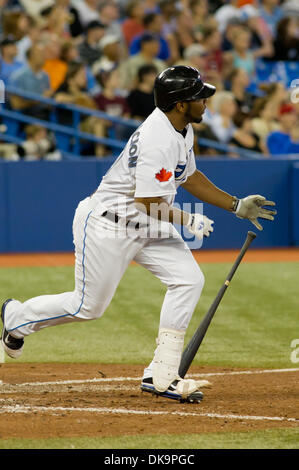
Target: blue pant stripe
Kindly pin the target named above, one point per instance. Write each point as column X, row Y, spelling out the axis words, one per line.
column 83, row 288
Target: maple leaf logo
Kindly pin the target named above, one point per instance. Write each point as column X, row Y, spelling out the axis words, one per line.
column 163, row 175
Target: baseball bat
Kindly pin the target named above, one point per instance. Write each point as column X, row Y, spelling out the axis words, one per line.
column 196, row 340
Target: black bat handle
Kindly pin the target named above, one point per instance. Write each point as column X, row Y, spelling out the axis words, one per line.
column 196, row 340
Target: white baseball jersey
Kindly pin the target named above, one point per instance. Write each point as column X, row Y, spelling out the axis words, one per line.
column 155, row 161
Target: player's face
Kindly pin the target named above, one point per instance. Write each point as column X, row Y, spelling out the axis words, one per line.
column 195, row 110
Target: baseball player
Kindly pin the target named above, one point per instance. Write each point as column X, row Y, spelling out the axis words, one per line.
column 130, row 217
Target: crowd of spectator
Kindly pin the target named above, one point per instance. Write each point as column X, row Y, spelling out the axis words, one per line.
column 105, row 55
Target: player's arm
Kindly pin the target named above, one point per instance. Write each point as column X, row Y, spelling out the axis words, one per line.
column 250, row 207
column 156, row 207
column 202, row 188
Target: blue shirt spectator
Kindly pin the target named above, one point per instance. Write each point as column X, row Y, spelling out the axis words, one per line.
column 286, row 140
column 280, row 143
column 271, row 13
column 153, row 24
column 163, row 54
column 31, row 78
column 8, row 62
column 7, row 69
column 28, row 80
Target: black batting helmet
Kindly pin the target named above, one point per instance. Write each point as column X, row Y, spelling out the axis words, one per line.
column 180, row 83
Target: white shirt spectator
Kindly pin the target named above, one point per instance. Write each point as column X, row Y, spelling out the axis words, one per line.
column 23, row 45
column 290, row 8
column 223, row 134
column 85, row 12
column 34, row 7
column 224, row 14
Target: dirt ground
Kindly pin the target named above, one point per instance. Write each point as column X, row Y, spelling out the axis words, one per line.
column 72, row 400
column 202, row 256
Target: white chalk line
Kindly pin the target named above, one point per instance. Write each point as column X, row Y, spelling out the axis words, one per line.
column 59, row 388
column 123, row 411
column 138, row 379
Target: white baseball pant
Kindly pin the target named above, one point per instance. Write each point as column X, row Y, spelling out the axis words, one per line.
column 101, row 261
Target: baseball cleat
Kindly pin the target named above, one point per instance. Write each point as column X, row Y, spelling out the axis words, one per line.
column 12, row 346
column 171, row 392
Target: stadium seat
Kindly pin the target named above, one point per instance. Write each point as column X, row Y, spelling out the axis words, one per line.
column 264, row 70
column 292, row 71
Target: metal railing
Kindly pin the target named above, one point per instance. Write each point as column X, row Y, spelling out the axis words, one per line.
column 72, row 132
column 75, row 136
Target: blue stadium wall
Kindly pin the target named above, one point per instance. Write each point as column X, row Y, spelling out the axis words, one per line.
column 38, row 200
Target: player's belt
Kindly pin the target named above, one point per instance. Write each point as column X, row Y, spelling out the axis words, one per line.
column 116, row 218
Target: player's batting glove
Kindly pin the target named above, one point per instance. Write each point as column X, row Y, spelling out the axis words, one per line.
column 200, row 225
column 251, row 207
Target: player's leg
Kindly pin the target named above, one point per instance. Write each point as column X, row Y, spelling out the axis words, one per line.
column 102, row 256
column 173, row 263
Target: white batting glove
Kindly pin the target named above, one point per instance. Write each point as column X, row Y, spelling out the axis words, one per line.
column 251, row 207
column 200, row 225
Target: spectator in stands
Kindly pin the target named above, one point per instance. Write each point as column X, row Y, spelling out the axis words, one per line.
column 110, row 16
column 54, row 66
column 111, row 54
column 226, row 13
column 168, row 10
column 34, row 7
column 202, row 18
column 89, row 49
column 133, row 23
column 73, row 25
column 8, row 62
column 286, row 43
column 59, row 14
column 141, row 99
column 221, row 122
column 244, row 136
column 31, row 78
column 109, row 101
column 32, row 36
column 290, row 8
column 214, row 57
column 86, row 11
column 194, row 56
column 276, row 92
column 147, row 55
column 233, row 27
column 239, row 81
column 286, row 140
column 151, row 6
column 264, row 118
column 153, row 25
column 271, row 12
column 57, row 20
column 184, row 35
column 39, row 145
column 15, row 23
column 69, row 52
column 74, row 91
column 242, row 56
column 2, row 9
column 260, row 32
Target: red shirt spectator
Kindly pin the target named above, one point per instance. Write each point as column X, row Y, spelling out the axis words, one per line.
column 133, row 24
column 109, row 100
column 114, row 106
